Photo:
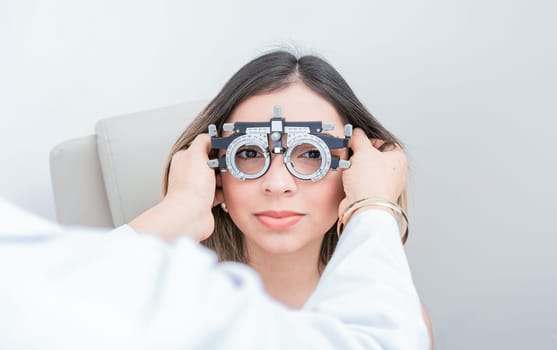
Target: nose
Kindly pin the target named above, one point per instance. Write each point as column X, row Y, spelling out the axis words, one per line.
column 278, row 180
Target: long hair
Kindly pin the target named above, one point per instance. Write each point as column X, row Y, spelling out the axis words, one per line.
column 267, row 73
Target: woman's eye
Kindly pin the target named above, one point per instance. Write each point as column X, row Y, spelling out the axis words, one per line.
column 311, row 154
column 248, row 153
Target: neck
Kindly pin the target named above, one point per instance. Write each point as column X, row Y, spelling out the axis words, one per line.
column 288, row 278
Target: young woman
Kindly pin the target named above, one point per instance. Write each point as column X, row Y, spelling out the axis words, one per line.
column 282, row 226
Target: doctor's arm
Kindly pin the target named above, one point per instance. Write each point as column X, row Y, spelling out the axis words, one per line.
column 67, row 290
column 89, row 290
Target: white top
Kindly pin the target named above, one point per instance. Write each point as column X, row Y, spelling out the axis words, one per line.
column 77, row 288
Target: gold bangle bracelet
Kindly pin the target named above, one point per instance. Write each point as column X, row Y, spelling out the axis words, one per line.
column 366, row 202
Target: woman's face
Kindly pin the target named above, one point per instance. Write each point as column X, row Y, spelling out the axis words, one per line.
column 279, row 213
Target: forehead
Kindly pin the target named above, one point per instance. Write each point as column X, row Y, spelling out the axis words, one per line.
column 298, row 103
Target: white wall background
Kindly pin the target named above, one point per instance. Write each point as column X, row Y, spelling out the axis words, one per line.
column 470, row 86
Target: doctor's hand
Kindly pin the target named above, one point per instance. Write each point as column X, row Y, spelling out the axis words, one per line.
column 373, row 173
column 186, row 207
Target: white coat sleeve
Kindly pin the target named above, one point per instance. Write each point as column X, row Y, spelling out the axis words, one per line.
column 85, row 290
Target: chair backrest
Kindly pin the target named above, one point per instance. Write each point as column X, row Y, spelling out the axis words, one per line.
column 109, row 178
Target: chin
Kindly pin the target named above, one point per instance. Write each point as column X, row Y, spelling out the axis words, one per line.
column 282, row 243
column 280, row 248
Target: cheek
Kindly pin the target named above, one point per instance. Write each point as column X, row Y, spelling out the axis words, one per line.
column 235, row 192
column 334, row 184
column 328, row 193
column 231, row 188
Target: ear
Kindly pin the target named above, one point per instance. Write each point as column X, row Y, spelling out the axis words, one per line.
column 218, row 180
column 219, row 196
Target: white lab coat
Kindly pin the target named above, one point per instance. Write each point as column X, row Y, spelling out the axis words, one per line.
column 88, row 289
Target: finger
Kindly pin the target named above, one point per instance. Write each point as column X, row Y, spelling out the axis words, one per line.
column 377, row 143
column 388, row 147
column 384, row 146
column 400, row 157
column 202, row 142
column 397, row 159
column 359, row 140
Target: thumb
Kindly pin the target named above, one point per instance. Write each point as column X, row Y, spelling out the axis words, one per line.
column 358, row 140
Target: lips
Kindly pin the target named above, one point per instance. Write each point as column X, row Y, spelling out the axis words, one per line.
column 279, row 220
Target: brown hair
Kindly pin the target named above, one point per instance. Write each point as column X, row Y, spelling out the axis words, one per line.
column 267, row 73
